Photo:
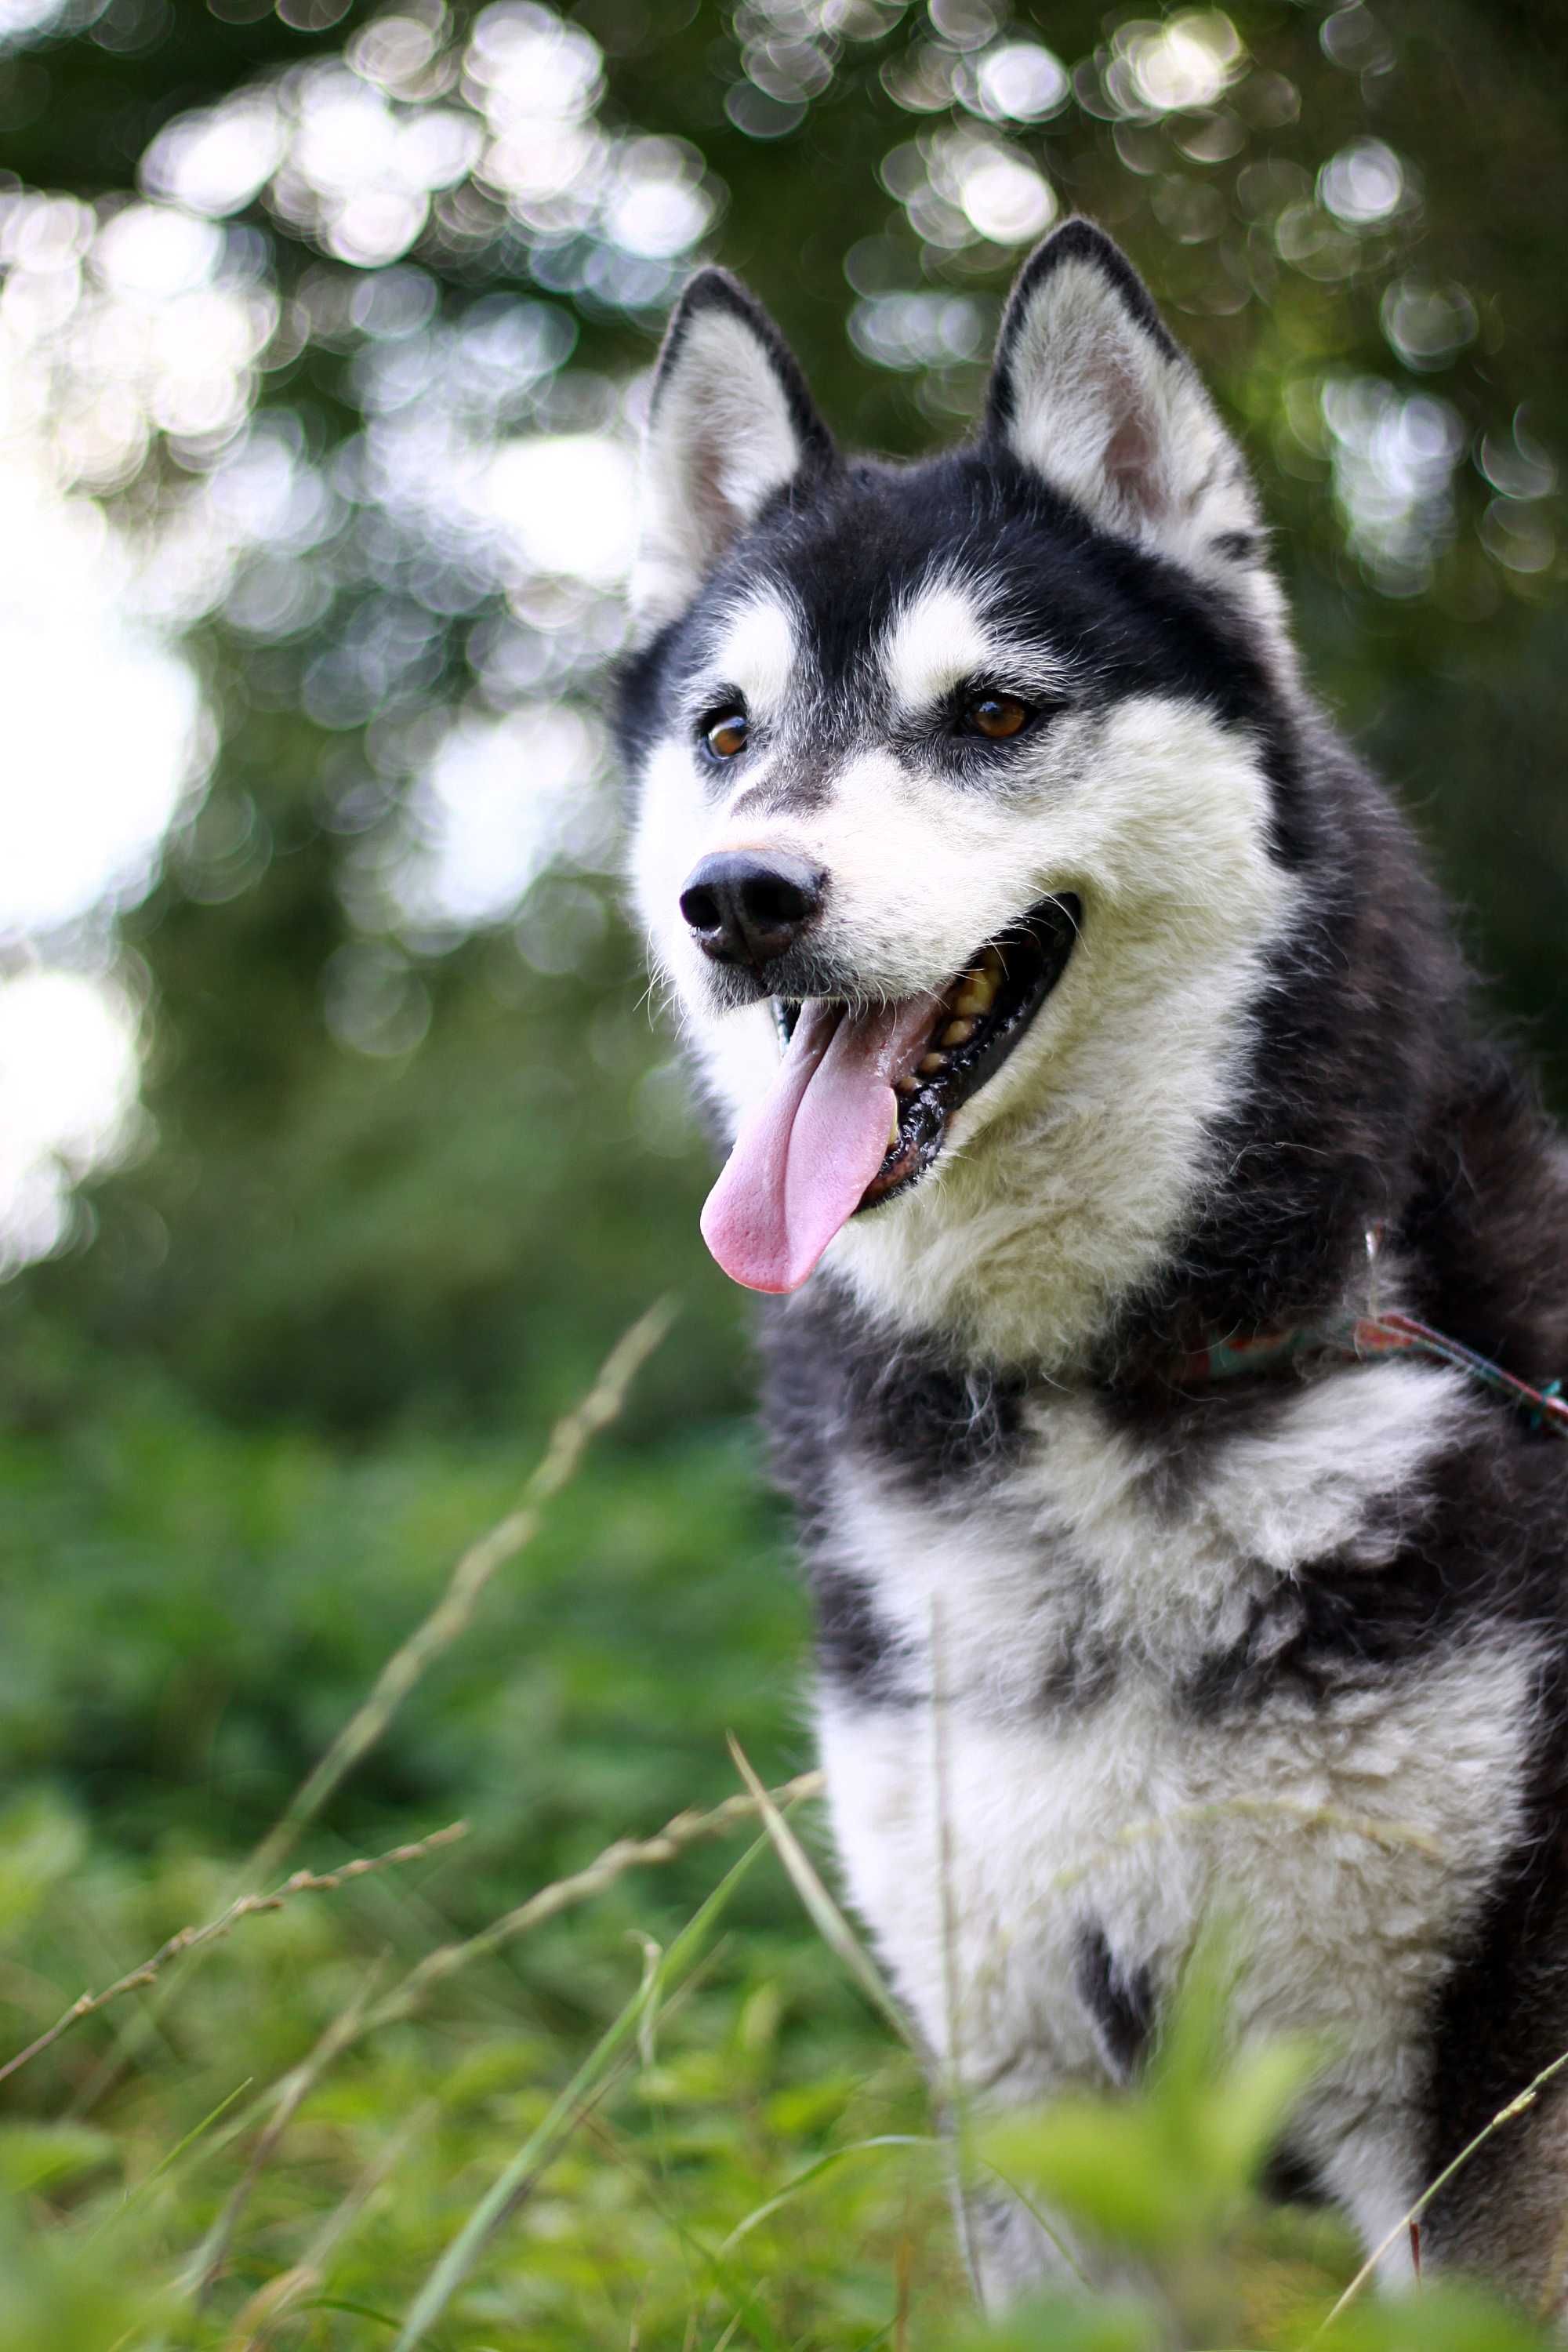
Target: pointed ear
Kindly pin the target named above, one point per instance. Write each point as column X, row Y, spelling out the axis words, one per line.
column 730, row 422
column 1088, row 390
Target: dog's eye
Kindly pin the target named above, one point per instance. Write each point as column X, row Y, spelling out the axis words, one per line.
column 726, row 733
column 996, row 716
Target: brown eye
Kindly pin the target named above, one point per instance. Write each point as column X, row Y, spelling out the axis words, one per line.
column 996, row 716
column 726, row 735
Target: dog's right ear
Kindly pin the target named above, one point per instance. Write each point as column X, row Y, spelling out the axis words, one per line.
column 730, row 422
column 1090, row 392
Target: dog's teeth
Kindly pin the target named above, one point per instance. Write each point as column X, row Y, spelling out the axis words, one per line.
column 905, row 1085
column 930, row 1063
column 893, row 1130
column 975, row 999
column 992, row 962
column 958, row 1033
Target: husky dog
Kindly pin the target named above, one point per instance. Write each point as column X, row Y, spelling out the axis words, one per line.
column 1085, row 1028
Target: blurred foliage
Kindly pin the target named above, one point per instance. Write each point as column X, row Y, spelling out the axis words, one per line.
column 342, row 315
column 229, row 1595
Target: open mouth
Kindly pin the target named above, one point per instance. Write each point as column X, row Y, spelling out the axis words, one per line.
column 863, row 1097
column 980, row 1018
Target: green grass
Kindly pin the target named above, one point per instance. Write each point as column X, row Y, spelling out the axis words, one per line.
column 660, row 2111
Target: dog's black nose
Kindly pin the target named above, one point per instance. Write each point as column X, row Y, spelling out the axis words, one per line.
column 747, row 907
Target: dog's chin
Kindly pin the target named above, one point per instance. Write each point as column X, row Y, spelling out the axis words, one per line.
column 984, row 1012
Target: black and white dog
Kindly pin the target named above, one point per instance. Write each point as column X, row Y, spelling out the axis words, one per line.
column 1086, row 1033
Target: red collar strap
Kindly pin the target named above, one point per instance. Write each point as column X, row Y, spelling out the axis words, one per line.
column 1362, row 1338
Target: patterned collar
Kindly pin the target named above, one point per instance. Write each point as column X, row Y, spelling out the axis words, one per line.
column 1361, row 1338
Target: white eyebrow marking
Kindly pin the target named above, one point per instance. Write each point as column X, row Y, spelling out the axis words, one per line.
column 757, row 652
column 935, row 640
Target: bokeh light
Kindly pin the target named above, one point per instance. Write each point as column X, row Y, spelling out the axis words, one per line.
column 102, row 733
column 67, row 1078
column 20, row 17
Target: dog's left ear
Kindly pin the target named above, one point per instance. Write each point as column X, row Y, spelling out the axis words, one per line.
column 731, row 423
column 1088, row 390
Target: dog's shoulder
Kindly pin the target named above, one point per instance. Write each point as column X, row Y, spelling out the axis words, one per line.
column 1293, row 1538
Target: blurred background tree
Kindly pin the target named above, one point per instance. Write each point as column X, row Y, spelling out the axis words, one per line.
column 341, row 1127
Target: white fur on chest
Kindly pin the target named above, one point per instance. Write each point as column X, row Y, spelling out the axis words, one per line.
column 987, row 1824
column 1095, row 1535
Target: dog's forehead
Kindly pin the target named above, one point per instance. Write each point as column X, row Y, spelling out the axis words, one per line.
column 758, row 644
column 892, row 586
column 937, row 634
column 783, row 640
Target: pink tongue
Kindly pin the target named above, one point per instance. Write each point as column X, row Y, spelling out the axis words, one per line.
column 803, row 1159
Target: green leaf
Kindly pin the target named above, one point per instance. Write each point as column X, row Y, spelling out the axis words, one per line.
column 40, row 1843
column 1051, row 2324
column 1239, row 2120
column 1104, row 2166
column 1441, row 2317
column 41, row 2157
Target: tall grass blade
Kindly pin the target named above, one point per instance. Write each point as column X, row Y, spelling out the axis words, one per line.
column 1519, row 2106
column 206, row 2266
column 281, row 2297
column 181, row 2147
column 828, row 2163
column 190, row 1940
column 824, row 1914
column 513, row 2183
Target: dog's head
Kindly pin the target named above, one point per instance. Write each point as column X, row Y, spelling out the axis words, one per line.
column 962, row 844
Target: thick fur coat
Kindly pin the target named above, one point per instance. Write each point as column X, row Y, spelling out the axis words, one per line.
column 1303, row 1631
